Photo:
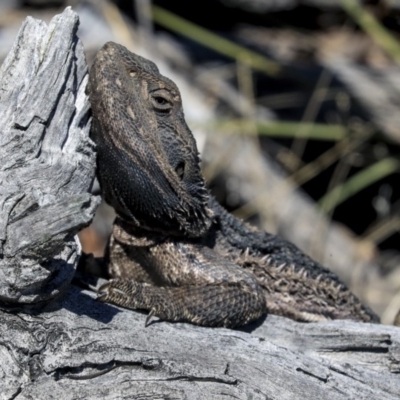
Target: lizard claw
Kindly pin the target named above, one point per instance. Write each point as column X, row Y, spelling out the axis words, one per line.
column 104, row 291
column 101, row 296
column 151, row 313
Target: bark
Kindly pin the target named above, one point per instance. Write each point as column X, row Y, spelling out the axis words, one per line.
column 79, row 348
column 48, row 160
column 72, row 347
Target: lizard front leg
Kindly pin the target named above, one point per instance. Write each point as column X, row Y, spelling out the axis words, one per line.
column 191, row 283
column 212, row 305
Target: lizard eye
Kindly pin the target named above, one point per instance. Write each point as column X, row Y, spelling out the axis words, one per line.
column 180, row 170
column 160, row 100
column 161, row 103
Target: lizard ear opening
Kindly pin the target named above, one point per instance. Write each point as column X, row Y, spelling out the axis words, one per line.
column 180, row 170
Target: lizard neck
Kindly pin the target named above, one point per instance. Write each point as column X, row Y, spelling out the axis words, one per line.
column 132, row 235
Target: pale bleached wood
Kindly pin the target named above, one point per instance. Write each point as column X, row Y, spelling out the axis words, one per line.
column 47, row 159
column 80, row 348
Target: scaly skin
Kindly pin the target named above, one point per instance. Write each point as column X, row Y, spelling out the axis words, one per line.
column 174, row 250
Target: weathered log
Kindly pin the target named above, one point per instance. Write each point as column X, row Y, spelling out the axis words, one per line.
column 79, row 348
column 48, row 160
column 74, row 347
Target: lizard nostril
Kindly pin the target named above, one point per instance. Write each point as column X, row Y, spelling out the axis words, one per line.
column 180, row 169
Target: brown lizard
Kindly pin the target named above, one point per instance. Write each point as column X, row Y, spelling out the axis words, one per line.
column 174, row 251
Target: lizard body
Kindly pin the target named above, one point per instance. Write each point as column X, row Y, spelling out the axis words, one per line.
column 174, row 251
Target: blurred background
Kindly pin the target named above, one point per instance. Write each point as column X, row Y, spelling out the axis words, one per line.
column 295, row 108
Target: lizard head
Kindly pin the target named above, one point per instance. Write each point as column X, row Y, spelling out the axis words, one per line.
column 147, row 158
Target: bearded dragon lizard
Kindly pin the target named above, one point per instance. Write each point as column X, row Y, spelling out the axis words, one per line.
column 174, row 251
